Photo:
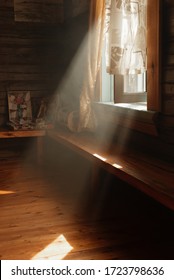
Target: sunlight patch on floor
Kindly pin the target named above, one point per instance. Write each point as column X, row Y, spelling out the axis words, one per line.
column 5, row 192
column 57, row 250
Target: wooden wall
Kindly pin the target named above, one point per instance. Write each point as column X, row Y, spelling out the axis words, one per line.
column 37, row 45
column 167, row 77
column 74, row 8
column 38, row 40
column 39, row 11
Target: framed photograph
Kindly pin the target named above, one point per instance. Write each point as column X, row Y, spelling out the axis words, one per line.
column 19, row 108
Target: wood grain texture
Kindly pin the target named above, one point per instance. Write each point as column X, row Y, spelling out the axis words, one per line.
column 39, row 206
column 39, row 11
column 36, row 48
column 154, row 31
column 144, row 172
column 139, row 120
column 166, row 127
column 21, row 133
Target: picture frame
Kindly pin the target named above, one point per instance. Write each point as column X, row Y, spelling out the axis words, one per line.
column 19, row 109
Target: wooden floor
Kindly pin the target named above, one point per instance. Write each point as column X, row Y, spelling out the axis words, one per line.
column 46, row 212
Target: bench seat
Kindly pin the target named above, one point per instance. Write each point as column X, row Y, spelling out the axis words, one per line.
column 146, row 173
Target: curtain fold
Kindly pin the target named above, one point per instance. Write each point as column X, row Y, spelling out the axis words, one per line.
column 123, row 24
column 87, row 119
column 72, row 105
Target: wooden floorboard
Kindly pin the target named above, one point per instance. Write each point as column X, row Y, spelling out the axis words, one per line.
column 47, row 209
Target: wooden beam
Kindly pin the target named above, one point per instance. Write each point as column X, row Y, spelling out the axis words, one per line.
column 154, row 55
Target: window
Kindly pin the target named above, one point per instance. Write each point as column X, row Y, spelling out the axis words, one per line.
column 130, row 88
column 139, row 89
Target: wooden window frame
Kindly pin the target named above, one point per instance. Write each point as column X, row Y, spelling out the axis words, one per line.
column 123, row 97
column 154, row 43
column 145, row 121
column 153, row 94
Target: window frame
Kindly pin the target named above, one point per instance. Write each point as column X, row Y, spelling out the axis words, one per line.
column 153, row 75
column 154, row 45
column 134, row 118
column 124, row 97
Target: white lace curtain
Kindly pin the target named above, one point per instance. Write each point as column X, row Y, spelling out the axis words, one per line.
column 124, row 24
column 126, row 36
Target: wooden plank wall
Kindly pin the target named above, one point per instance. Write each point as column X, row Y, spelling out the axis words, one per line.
column 80, row 6
column 167, row 116
column 36, row 46
column 73, row 8
column 38, row 10
column 36, row 49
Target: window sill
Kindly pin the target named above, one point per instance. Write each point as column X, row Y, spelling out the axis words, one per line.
column 140, row 106
column 129, row 115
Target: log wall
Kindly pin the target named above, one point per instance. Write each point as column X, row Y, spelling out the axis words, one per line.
column 167, row 77
column 36, row 46
column 38, row 40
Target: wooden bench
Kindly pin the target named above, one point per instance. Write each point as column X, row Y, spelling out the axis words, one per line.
column 5, row 133
column 150, row 175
